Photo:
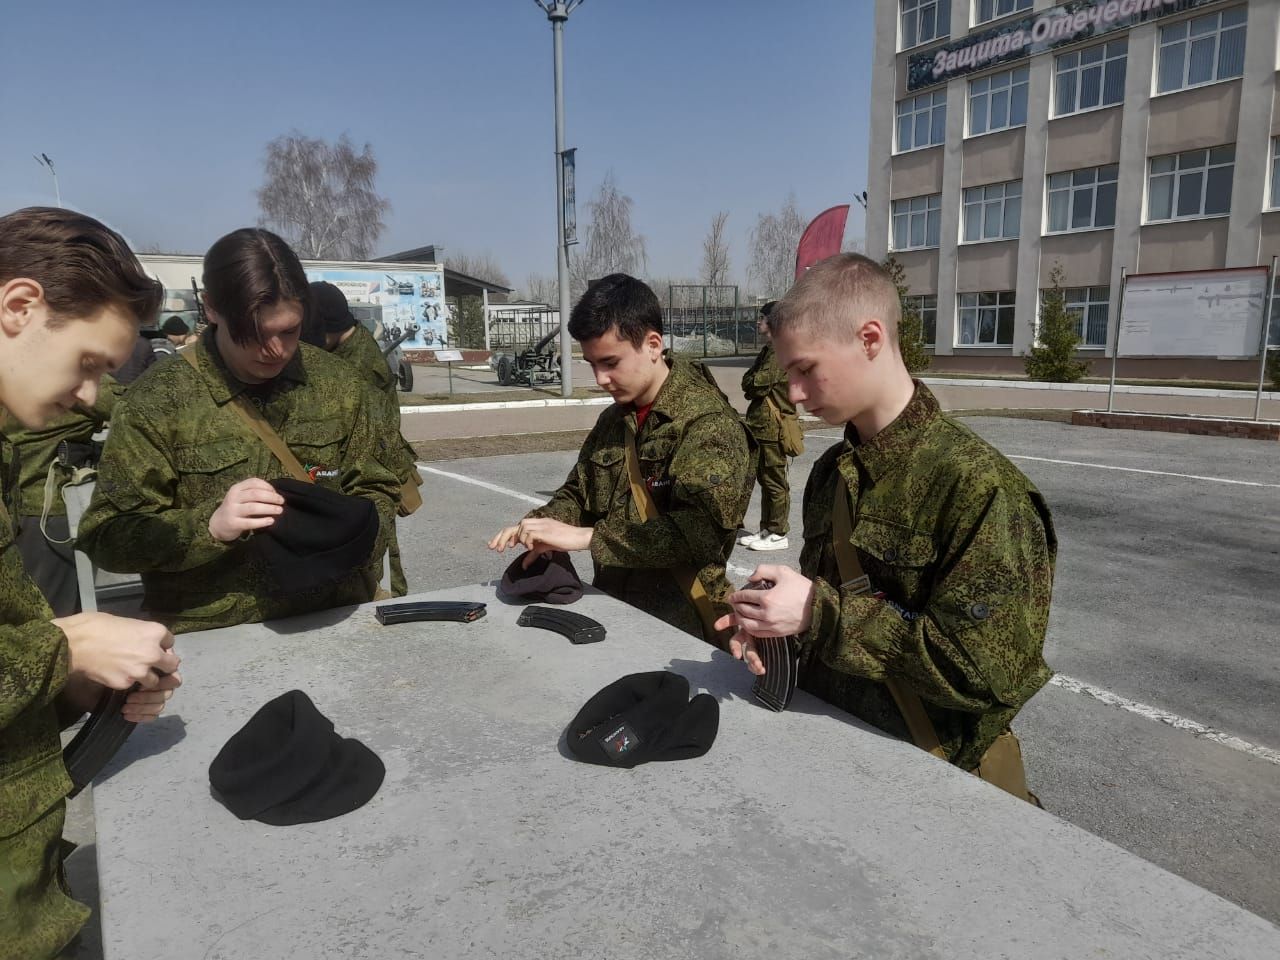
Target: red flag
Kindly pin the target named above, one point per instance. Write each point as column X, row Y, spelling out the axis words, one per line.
column 821, row 238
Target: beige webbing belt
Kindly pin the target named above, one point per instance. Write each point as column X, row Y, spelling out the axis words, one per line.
column 918, row 723
column 687, row 577
column 261, row 429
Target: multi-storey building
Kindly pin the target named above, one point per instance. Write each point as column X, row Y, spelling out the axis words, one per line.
column 1012, row 136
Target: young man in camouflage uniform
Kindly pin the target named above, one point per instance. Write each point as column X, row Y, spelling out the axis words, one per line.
column 71, row 298
column 765, row 386
column 347, row 339
column 957, row 544
column 183, row 482
column 694, row 459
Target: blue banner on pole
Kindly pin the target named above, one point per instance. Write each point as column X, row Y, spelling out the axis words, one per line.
column 569, row 192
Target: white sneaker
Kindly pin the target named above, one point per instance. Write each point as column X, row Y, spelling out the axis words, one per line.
column 747, row 539
column 768, row 541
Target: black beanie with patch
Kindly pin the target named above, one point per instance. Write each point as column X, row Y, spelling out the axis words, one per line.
column 322, row 537
column 644, row 717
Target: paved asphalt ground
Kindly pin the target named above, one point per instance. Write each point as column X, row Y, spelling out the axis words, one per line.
column 1166, row 606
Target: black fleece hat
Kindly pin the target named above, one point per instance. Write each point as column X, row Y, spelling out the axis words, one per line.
column 320, row 538
column 329, row 307
column 549, row 579
column 287, row 765
column 643, row 717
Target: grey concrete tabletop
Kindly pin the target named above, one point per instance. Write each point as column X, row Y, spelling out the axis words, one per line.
column 802, row 834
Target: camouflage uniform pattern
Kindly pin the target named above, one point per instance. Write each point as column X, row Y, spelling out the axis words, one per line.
column 361, row 351
column 176, row 447
column 30, row 451
column 696, row 460
column 960, row 549
column 37, row 915
column 763, row 382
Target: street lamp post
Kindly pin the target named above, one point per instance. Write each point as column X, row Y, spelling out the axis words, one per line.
column 557, row 12
column 44, row 161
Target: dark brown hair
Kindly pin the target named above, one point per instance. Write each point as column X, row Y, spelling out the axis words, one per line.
column 616, row 301
column 83, row 265
column 247, row 270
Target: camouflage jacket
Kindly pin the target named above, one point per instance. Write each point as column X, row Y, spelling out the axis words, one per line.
column 960, row 550
column 33, row 670
column 176, row 447
column 362, row 352
column 698, row 463
column 29, row 452
column 763, row 382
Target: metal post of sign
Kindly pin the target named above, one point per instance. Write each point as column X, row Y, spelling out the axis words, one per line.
column 484, row 310
column 1115, row 345
column 557, row 12
column 1262, row 346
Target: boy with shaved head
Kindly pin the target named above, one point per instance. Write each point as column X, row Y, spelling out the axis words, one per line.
column 927, row 566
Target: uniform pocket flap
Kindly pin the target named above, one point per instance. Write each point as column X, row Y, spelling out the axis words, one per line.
column 210, row 456
column 315, row 433
column 893, row 544
column 607, row 457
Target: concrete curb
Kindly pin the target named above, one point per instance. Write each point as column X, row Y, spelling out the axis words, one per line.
column 1102, row 388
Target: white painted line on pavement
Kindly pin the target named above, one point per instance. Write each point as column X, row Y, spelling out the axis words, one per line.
column 1164, row 716
column 1069, row 684
column 510, row 405
column 1157, row 473
column 536, row 501
column 1134, row 388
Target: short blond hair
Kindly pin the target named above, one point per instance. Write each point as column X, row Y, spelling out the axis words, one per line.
column 836, row 296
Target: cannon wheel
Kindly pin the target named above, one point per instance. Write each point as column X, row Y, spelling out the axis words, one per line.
column 404, row 375
column 504, row 371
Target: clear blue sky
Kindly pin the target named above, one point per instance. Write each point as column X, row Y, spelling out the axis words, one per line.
column 156, row 113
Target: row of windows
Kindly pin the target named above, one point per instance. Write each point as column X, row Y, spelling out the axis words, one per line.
column 1194, row 183
column 926, row 20
column 1191, row 53
column 986, row 319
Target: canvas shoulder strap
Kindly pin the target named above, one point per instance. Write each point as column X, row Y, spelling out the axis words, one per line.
column 854, row 579
column 687, row 577
column 258, row 425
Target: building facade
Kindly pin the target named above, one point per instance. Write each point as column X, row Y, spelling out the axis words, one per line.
column 1010, row 137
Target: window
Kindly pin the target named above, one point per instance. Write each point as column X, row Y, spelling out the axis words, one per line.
column 1196, row 183
column 986, row 319
column 922, row 121
column 984, row 10
column 1275, row 172
column 1202, row 50
column 1082, row 199
column 1090, row 78
column 998, row 102
column 992, row 212
column 924, row 20
column 927, row 307
column 1089, row 305
column 917, row 222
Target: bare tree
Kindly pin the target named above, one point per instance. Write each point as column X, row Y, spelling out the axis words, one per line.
column 483, row 266
column 542, row 289
column 715, row 252
column 321, row 197
column 612, row 244
column 773, row 249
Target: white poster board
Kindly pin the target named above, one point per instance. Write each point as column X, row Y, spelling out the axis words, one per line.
column 1208, row 313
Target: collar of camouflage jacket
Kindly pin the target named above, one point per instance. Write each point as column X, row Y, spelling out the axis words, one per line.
column 887, row 449
column 222, row 383
column 679, row 392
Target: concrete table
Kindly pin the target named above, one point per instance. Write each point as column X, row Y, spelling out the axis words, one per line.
column 800, row 835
